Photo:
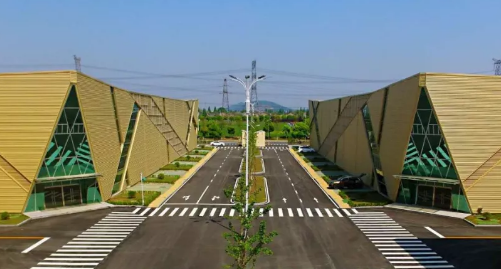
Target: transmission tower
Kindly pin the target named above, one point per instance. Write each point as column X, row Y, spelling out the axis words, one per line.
column 226, row 102
column 497, row 67
column 254, row 87
column 78, row 67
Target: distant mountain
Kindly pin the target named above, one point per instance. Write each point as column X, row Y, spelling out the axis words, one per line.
column 262, row 106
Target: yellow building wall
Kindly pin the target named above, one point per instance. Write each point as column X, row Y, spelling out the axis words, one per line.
column 354, row 154
column 14, row 188
column 177, row 113
column 100, row 125
column 29, row 108
column 401, row 107
column 375, row 105
column 149, row 150
column 124, row 104
column 327, row 114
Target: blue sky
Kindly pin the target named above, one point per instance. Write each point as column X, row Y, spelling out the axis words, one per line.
column 367, row 40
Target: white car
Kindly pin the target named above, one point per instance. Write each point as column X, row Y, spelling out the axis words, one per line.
column 305, row 149
column 217, row 144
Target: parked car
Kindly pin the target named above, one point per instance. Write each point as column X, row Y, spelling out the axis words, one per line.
column 348, row 182
column 217, row 144
column 305, row 149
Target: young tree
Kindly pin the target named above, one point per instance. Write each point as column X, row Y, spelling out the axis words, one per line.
column 231, row 131
column 245, row 243
column 208, row 110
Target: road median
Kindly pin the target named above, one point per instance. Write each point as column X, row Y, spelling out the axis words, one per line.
column 182, row 180
column 319, row 180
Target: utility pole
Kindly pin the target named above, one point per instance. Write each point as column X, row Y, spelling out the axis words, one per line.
column 247, row 86
column 78, row 67
column 226, row 102
column 497, row 67
column 254, row 87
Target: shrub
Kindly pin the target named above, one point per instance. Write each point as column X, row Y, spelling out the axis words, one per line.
column 343, row 195
column 487, row 215
column 188, row 157
column 161, row 176
column 202, row 146
column 479, row 210
column 315, row 168
column 177, row 164
column 326, row 179
column 131, row 194
column 5, row 216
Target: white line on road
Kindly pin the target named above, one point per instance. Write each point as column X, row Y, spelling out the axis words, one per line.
column 271, row 212
column 183, row 212
column 347, row 212
column 222, row 212
column 261, row 210
column 82, row 255
column 319, row 212
column 35, row 245
column 154, row 212
column 232, row 212
column 280, row 213
column 354, row 210
column 173, row 211
column 163, row 212
column 192, row 213
column 310, row 214
column 291, row 214
column 202, row 213
column 299, row 212
column 212, row 212
column 338, row 213
column 328, row 212
column 202, row 194
column 434, row 232
column 136, row 210
column 145, row 211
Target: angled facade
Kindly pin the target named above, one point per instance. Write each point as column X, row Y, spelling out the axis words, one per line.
column 432, row 139
column 68, row 139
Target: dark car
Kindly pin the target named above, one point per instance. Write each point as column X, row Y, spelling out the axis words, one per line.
column 348, row 182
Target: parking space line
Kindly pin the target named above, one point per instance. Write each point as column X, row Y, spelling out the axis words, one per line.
column 35, row 245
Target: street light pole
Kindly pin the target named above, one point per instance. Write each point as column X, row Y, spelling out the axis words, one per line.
column 247, row 86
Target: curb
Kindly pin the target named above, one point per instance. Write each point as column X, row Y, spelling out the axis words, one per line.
column 340, row 203
column 482, row 225
column 68, row 213
column 161, row 200
column 15, row 225
column 265, row 188
column 240, row 170
column 422, row 212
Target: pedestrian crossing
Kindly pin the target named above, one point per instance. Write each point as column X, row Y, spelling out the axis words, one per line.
column 93, row 245
column 401, row 248
column 226, row 148
column 230, row 212
column 277, row 147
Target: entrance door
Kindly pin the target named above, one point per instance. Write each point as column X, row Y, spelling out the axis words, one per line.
column 72, row 195
column 53, row 197
column 442, row 198
column 424, row 195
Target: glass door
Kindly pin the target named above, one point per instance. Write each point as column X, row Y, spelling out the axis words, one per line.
column 53, row 197
column 424, row 195
column 443, row 197
column 72, row 195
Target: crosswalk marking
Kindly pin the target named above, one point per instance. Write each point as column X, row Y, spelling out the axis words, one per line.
column 328, row 212
column 213, row 211
column 154, row 211
column 222, row 212
column 163, row 212
column 299, row 212
column 347, row 212
column 232, row 212
column 202, row 213
column 271, row 212
column 261, row 211
column 145, row 211
column 319, row 212
column 136, row 210
column 173, row 211
column 338, row 213
column 400, row 247
column 183, row 212
column 192, row 213
column 309, row 212
column 291, row 214
column 280, row 213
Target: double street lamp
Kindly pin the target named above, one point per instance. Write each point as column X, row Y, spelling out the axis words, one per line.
column 247, row 86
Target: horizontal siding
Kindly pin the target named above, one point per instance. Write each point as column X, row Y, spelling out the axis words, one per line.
column 29, row 108
column 100, row 125
column 375, row 104
column 124, row 104
column 401, row 107
column 326, row 117
column 14, row 188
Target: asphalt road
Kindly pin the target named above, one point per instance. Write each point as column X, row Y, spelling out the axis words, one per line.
column 218, row 173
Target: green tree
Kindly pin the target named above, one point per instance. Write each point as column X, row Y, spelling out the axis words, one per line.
column 300, row 130
column 244, row 246
column 208, row 110
column 231, row 130
column 268, row 127
column 215, row 130
column 204, row 112
column 287, row 130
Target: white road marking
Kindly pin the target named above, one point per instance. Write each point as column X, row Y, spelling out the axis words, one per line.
column 105, row 233
column 434, row 232
column 75, row 259
column 173, row 211
column 280, row 213
column 384, row 229
column 93, row 243
column 397, row 241
column 136, row 210
column 163, row 212
column 319, row 212
column 122, row 212
column 338, row 213
column 82, row 255
column 69, row 263
column 391, row 238
column 409, row 253
column 222, row 212
column 299, row 212
column 310, row 214
column 271, row 212
column 183, row 212
column 85, row 250
column 291, row 214
column 97, row 239
column 414, row 258
column 35, row 245
column 328, row 212
column 232, row 212
column 202, row 213
column 154, row 212
column 202, row 194
column 354, row 210
column 117, row 224
column 193, row 211
column 90, row 246
column 145, row 211
column 212, row 212
column 261, row 210
column 400, row 245
column 347, row 212
column 110, row 230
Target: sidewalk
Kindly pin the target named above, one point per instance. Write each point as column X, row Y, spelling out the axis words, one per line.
column 66, row 210
column 428, row 210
